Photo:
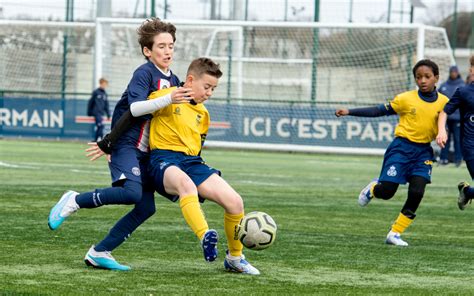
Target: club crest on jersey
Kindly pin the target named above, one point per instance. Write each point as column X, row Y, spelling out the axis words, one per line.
column 413, row 111
column 392, row 171
column 136, row 171
column 428, row 162
column 177, row 111
column 163, row 83
column 198, row 119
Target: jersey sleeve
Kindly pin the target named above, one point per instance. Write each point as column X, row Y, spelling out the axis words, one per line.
column 453, row 104
column 139, row 86
column 396, row 105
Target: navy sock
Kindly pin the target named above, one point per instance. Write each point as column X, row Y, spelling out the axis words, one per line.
column 129, row 193
column 125, row 226
column 469, row 192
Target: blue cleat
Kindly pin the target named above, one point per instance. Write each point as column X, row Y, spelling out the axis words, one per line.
column 103, row 260
column 209, row 245
column 365, row 195
column 239, row 265
column 64, row 208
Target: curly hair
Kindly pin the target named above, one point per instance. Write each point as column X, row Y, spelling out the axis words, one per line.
column 428, row 63
column 152, row 27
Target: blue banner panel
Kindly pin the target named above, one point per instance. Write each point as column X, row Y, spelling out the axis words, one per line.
column 289, row 124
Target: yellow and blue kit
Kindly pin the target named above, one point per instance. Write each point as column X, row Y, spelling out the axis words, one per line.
column 410, row 153
column 177, row 133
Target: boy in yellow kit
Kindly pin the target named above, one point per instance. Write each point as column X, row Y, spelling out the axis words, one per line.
column 177, row 133
column 409, row 157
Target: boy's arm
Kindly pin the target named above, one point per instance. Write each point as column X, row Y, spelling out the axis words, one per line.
column 376, row 111
column 107, row 108
column 442, row 135
column 453, row 104
column 178, row 96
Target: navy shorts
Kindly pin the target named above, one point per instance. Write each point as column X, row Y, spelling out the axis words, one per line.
column 132, row 164
column 193, row 166
column 404, row 159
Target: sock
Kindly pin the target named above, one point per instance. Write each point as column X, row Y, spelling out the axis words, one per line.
column 193, row 214
column 231, row 221
column 401, row 223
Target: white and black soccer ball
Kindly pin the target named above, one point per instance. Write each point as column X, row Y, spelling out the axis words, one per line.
column 257, row 230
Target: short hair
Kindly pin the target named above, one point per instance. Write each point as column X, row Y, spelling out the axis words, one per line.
column 428, row 63
column 102, row 80
column 202, row 66
column 471, row 60
column 152, row 27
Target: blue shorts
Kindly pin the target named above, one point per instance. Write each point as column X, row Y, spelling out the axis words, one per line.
column 193, row 166
column 132, row 164
column 404, row 159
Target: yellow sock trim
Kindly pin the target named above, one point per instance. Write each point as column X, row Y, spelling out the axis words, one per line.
column 401, row 223
column 193, row 214
column 231, row 222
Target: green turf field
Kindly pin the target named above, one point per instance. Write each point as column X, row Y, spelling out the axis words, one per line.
column 326, row 243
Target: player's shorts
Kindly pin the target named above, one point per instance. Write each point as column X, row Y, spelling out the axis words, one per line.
column 130, row 163
column 193, row 166
column 404, row 159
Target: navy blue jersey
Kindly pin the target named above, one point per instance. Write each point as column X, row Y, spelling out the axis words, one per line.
column 146, row 79
column 98, row 103
column 463, row 99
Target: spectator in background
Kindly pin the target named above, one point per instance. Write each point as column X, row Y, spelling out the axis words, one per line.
column 98, row 106
column 454, row 120
column 469, row 79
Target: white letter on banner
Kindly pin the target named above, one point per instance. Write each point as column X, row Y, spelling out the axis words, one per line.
column 318, row 126
column 19, row 117
column 334, row 125
column 304, row 129
column 268, row 127
column 385, row 131
column 246, row 126
column 279, row 127
column 35, row 119
column 5, row 117
column 353, row 129
column 56, row 119
column 253, row 127
column 368, row 133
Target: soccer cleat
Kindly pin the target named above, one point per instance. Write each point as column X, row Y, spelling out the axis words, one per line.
column 463, row 200
column 103, row 260
column 365, row 195
column 239, row 265
column 209, row 245
column 63, row 209
column 393, row 238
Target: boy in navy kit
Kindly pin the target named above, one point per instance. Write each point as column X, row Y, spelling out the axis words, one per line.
column 409, row 156
column 97, row 106
column 462, row 99
column 130, row 155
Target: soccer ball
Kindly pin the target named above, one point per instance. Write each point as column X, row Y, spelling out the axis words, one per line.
column 257, row 230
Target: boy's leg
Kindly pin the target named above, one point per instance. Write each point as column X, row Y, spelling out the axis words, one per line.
column 176, row 182
column 97, row 255
column 99, row 128
column 466, row 192
column 218, row 190
column 457, row 142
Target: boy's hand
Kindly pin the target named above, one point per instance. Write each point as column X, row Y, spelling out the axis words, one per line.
column 341, row 112
column 182, row 95
column 94, row 151
column 441, row 138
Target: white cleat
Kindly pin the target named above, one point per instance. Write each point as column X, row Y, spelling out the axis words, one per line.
column 365, row 195
column 393, row 238
column 64, row 208
column 239, row 265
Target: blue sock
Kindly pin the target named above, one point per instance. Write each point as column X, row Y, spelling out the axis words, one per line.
column 469, row 192
column 129, row 193
column 125, row 226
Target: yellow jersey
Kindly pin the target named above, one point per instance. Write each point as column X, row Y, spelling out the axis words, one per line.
column 418, row 118
column 178, row 127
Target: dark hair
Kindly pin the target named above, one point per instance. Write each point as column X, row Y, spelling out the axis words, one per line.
column 472, row 60
column 202, row 66
column 152, row 27
column 428, row 63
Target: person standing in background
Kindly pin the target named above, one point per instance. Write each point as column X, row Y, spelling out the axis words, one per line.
column 454, row 121
column 98, row 106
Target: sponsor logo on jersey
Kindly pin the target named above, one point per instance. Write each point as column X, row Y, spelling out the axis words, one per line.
column 428, row 162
